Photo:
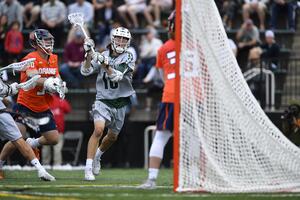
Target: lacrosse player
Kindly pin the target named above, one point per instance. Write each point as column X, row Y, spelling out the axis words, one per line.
column 10, row 131
column 35, row 102
column 165, row 61
column 114, row 68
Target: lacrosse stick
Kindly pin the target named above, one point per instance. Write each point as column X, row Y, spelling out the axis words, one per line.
column 76, row 19
column 19, row 66
column 32, row 122
column 35, row 123
column 30, row 84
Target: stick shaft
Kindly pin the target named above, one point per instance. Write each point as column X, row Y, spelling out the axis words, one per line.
column 85, row 35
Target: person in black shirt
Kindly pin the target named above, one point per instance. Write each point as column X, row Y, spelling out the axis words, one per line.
column 268, row 52
column 270, row 49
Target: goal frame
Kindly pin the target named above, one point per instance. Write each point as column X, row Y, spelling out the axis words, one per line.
column 177, row 95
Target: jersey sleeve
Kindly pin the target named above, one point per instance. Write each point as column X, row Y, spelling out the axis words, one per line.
column 159, row 58
column 130, row 61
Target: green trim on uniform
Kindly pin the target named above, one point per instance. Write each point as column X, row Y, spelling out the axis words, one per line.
column 116, row 103
column 121, row 67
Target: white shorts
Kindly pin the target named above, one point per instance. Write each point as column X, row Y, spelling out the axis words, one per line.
column 114, row 118
column 8, row 128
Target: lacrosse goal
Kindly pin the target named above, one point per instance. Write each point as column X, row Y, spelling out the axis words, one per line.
column 223, row 142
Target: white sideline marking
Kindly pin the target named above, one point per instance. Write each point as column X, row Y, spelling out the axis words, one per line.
column 31, row 168
column 173, row 195
column 114, row 186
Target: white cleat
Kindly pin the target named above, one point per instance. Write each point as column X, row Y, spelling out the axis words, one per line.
column 89, row 176
column 96, row 167
column 45, row 176
column 149, row 184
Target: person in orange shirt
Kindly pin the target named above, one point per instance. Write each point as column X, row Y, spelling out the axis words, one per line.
column 36, row 102
column 165, row 60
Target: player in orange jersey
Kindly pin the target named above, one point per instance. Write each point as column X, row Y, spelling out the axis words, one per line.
column 35, row 102
column 165, row 60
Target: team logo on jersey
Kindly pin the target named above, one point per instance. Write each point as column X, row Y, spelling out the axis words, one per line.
column 51, row 71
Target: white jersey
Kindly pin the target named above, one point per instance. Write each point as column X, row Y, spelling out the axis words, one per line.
column 108, row 90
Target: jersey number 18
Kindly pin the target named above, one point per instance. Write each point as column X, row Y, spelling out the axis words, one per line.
column 109, row 84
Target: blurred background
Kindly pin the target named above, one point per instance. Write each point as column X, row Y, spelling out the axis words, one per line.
column 263, row 36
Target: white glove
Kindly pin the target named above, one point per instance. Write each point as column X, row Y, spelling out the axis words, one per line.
column 8, row 90
column 51, row 84
column 115, row 76
column 106, row 60
column 97, row 58
column 13, row 89
column 88, row 45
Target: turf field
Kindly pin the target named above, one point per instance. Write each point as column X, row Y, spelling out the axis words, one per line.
column 113, row 184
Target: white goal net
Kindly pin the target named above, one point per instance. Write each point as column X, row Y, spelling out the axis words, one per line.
column 226, row 142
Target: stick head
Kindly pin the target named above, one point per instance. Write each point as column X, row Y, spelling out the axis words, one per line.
column 76, row 19
column 20, row 66
column 61, row 88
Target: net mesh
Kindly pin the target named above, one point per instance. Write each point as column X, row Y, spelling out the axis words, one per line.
column 227, row 143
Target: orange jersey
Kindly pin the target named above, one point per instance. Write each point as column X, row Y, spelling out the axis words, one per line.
column 165, row 59
column 36, row 99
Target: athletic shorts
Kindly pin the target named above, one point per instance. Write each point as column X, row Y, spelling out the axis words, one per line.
column 165, row 117
column 8, row 128
column 113, row 117
column 50, row 126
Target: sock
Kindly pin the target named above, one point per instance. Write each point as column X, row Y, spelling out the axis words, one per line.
column 34, row 142
column 2, row 163
column 153, row 173
column 36, row 163
column 88, row 164
column 98, row 154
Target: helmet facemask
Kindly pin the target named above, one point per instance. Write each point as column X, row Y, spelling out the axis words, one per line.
column 46, row 44
column 120, row 44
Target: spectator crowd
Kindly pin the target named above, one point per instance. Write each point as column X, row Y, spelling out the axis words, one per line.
column 249, row 19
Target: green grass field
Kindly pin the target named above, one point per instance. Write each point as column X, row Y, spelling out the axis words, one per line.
column 113, row 184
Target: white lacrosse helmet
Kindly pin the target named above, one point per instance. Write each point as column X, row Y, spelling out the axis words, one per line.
column 120, row 39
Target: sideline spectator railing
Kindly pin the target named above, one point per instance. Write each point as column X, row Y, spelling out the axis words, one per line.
column 287, row 82
column 269, row 84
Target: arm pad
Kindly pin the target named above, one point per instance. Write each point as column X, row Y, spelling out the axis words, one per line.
column 8, row 90
column 86, row 71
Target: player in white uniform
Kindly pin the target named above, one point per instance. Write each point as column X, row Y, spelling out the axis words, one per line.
column 10, row 131
column 114, row 68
